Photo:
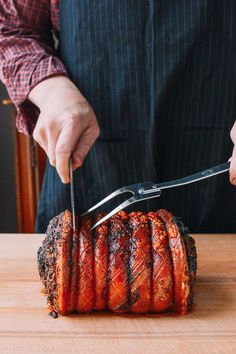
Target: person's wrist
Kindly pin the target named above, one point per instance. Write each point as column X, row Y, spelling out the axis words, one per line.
column 56, row 90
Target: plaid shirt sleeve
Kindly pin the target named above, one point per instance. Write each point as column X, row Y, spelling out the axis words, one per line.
column 27, row 54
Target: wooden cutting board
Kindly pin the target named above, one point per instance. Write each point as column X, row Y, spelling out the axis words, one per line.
column 25, row 326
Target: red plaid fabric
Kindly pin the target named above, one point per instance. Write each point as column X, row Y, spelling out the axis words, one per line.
column 27, row 54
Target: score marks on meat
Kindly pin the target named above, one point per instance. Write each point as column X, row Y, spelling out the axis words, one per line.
column 133, row 262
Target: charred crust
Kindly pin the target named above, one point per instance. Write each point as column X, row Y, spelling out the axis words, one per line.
column 117, row 228
column 46, row 257
column 191, row 258
column 53, row 314
column 48, row 253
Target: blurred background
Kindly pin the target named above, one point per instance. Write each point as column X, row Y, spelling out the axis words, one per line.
column 22, row 164
column 8, row 209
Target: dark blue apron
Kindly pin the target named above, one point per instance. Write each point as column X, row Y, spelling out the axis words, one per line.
column 160, row 75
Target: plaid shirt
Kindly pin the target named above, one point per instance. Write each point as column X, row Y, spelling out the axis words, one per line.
column 27, row 54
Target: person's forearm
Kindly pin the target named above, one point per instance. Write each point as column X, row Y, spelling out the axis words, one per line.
column 27, row 54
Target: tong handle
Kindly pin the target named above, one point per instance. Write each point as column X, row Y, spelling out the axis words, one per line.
column 210, row 172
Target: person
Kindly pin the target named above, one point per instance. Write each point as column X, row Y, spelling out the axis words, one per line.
column 136, row 91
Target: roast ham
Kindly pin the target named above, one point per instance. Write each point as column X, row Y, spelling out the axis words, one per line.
column 137, row 262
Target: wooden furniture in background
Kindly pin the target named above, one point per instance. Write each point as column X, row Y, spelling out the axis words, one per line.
column 29, row 169
column 25, row 326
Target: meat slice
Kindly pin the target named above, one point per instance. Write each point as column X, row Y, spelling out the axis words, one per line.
column 63, row 263
column 46, row 259
column 85, row 300
column 140, row 263
column 162, row 281
column 72, row 301
column 100, row 264
column 118, row 288
column 180, row 263
column 191, row 253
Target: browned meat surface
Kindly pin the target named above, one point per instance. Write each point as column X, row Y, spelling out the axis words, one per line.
column 74, row 272
column 118, row 287
column 134, row 262
column 85, row 296
column 162, row 280
column 140, row 263
column 180, row 262
column 100, row 264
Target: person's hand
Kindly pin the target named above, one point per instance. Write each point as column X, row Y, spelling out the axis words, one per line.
column 232, row 170
column 67, row 125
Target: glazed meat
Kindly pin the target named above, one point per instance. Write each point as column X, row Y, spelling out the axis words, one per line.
column 100, row 264
column 140, row 263
column 133, row 262
column 162, row 279
column 118, row 284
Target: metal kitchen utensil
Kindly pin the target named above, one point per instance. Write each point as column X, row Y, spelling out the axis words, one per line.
column 72, row 195
column 148, row 190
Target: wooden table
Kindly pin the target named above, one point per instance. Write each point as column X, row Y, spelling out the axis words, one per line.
column 25, row 326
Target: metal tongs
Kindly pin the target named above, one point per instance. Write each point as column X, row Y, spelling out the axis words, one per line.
column 148, row 190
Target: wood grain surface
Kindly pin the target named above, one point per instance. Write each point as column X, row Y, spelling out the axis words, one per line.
column 25, row 326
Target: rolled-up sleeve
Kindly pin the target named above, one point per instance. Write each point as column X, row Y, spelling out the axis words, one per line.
column 27, row 54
